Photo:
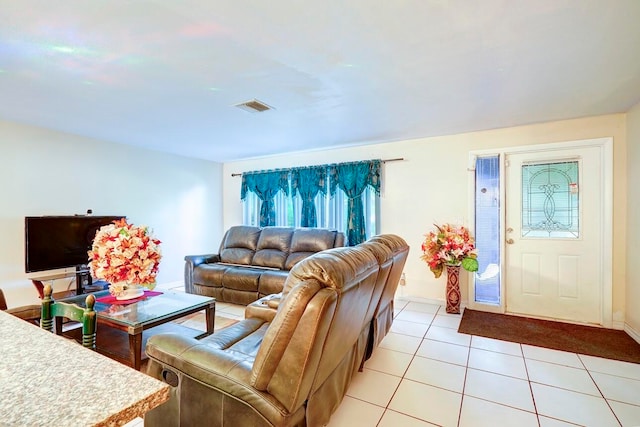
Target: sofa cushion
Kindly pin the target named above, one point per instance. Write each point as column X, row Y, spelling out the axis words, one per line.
column 273, row 247
column 209, row 274
column 312, row 240
column 275, row 238
column 241, row 278
column 271, row 282
column 239, row 244
column 235, row 296
column 306, row 242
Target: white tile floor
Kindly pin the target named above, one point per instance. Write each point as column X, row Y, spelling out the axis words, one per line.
column 425, row 373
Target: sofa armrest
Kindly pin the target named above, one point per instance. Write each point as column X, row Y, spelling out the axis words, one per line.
column 191, row 261
column 202, row 259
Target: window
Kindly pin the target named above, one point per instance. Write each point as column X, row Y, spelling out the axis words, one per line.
column 487, row 229
column 331, row 212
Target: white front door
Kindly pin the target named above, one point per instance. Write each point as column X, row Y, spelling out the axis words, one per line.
column 554, row 234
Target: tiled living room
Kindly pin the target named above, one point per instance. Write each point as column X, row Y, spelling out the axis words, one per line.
column 425, row 373
column 165, row 113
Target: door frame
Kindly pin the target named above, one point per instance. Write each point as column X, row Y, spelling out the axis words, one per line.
column 606, row 151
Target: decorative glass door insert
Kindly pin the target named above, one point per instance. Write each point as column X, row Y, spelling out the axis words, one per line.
column 550, row 200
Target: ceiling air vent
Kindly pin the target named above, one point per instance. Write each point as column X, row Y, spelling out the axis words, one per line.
column 254, row 106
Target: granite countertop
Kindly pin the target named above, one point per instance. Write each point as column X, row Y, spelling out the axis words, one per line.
column 49, row 380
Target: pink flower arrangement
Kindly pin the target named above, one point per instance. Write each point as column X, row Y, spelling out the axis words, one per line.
column 123, row 253
column 449, row 245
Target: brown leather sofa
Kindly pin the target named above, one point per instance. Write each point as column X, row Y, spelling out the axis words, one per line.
column 289, row 368
column 253, row 262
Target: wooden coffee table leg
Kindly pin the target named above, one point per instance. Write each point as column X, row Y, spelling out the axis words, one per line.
column 210, row 313
column 135, row 350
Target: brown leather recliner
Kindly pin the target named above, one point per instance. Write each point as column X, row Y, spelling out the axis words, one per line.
column 391, row 251
column 291, row 370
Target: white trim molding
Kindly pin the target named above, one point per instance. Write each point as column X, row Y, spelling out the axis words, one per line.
column 632, row 332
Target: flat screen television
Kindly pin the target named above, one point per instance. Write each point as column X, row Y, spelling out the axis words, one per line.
column 53, row 242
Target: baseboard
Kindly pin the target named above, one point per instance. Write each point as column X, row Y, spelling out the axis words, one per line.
column 617, row 324
column 433, row 301
column 632, row 333
column 412, row 298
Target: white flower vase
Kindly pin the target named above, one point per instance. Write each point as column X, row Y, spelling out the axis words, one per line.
column 129, row 292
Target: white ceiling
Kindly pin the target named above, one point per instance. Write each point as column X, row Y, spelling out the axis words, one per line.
column 166, row 74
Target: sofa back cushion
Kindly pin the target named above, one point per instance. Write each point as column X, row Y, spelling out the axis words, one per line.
column 307, row 241
column 400, row 251
column 239, row 244
column 273, row 247
column 384, row 255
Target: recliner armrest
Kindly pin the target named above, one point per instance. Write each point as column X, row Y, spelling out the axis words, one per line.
column 209, row 360
column 190, row 355
column 265, row 308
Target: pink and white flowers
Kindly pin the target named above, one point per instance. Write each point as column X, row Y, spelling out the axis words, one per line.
column 125, row 254
column 449, row 245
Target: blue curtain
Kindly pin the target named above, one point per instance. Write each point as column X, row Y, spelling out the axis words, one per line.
column 265, row 185
column 308, row 182
column 353, row 179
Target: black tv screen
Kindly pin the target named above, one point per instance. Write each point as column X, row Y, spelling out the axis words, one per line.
column 53, row 242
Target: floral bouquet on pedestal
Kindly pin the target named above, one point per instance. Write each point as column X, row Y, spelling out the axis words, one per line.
column 126, row 256
column 449, row 245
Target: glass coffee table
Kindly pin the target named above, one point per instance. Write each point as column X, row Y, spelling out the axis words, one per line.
column 124, row 329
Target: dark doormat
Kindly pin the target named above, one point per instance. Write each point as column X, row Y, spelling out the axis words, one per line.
column 589, row 340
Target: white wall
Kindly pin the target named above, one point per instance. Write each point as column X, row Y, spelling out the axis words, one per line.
column 43, row 172
column 430, row 186
column 632, row 319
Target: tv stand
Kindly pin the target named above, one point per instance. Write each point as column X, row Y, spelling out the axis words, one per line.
column 37, row 282
column 84, row 282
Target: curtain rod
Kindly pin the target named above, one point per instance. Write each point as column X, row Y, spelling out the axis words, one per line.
column 397, row 159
